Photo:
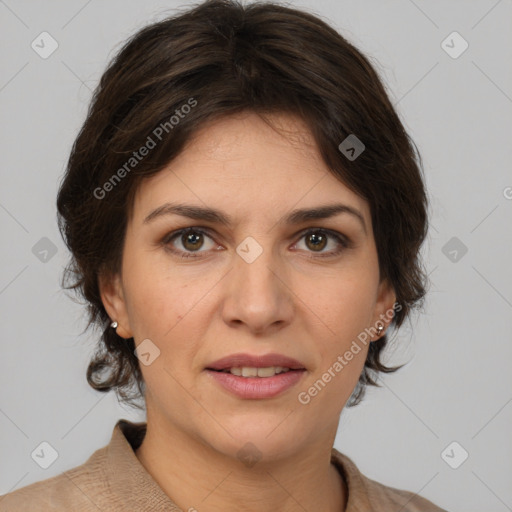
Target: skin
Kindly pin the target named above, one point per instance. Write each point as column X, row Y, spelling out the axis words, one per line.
column 289, row 300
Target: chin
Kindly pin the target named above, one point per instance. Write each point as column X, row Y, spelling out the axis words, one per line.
column 259, row 436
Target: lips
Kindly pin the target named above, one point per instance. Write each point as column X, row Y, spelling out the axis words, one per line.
column 255, row 361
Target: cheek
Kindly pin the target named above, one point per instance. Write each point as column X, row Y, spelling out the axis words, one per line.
column 158, row 296
column 158, row 309
column 341, row 354
column 169, row 314
column 344, row 306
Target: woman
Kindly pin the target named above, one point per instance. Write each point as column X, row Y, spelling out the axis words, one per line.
column 245, row 212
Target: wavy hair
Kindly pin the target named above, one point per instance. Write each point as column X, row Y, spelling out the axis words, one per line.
column 266, row 58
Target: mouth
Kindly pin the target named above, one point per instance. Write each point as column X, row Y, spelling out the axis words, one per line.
column 248, row 371
column 248, row 363
column 256, row 377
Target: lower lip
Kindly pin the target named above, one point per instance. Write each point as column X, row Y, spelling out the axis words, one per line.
column 257, row 387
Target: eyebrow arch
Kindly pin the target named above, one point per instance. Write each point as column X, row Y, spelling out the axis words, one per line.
column 216, row 216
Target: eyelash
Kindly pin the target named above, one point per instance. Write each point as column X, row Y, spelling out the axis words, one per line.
column 343, row 241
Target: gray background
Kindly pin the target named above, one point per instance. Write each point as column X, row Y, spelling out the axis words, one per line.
column 457, row 386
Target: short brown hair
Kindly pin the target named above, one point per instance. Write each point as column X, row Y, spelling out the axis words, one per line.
column 227, row 57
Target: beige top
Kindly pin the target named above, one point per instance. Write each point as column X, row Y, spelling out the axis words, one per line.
column 113, row 480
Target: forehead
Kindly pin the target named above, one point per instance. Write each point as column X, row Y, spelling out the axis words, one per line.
column 243, row 165
column 228, row 136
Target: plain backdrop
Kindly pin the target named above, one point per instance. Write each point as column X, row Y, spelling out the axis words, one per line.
column 456, row 106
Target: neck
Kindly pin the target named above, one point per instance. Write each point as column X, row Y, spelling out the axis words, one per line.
column 197, row 477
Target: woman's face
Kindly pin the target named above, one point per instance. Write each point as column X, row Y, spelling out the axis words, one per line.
column 262, row 284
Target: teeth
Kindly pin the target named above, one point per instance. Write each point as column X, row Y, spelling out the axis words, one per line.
column 247, row 371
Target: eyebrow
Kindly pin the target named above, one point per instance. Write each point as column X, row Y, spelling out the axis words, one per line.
column 216, row 216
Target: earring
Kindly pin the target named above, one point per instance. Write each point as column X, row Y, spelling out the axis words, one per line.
column 114, row 325
column 379, row 330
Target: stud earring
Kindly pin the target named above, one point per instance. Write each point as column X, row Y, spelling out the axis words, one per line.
column 114, row 325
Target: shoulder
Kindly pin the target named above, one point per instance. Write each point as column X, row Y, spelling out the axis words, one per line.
column 75, row 489
column 367, row 494
column 408, row 501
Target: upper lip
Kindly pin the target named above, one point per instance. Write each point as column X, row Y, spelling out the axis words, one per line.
column 255, row 361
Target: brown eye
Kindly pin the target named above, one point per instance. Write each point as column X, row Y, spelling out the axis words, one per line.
column 316, row 240
column 192, row 241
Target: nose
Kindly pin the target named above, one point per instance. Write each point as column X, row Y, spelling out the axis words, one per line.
column 258, row 295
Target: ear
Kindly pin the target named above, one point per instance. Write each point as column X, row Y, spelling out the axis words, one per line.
column 384, row 312
column 112, row 296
